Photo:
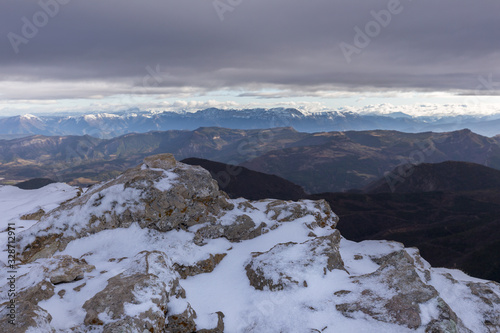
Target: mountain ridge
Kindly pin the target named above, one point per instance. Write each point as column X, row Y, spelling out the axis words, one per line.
column 319, row 162
column 108, row 125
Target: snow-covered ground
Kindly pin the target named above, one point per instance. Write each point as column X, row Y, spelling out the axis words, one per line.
column 15, row 203
column 227, row 288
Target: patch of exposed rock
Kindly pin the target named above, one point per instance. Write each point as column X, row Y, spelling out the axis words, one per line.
column 62, row 269
column 33, row 216
column 185, row 322
column 289, row 264
column 135, row 300
column 161, row 194
column 202, row 266
column 396, row 295
column 243, row 227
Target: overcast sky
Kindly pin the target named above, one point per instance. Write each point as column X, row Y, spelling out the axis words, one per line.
column 78, row 54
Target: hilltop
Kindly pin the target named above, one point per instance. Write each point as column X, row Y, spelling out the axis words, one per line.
column 161, row 249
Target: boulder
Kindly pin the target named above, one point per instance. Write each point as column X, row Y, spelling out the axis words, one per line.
column 175, row 196
column 64, row 268
column 135, row 300
column 287, row 265
column 395, row 295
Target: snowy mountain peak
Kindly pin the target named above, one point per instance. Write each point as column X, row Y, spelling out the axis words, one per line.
column 107, row 125
column 29, row 117
column 161, row 249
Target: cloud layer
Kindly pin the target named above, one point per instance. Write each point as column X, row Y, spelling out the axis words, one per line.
column 97, row 48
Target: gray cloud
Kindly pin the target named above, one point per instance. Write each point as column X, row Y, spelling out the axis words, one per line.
column 288, row 44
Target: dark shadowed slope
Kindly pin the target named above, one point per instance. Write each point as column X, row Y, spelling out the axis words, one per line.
column 455, row 230
column 447, row 176
column 450, row 211
column 238, row 181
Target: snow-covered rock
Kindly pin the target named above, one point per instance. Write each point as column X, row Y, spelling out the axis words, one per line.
column 162, row 249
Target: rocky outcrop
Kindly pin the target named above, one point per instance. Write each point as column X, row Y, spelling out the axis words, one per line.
column 242, row 227
column 161, row 194
column 397, row 294
column 185, row 322
column 135, row 300
column 161, row 249
column 25, row 311
column 33, row 216
column 287, row 265
column 164, row 195
column 29, row 318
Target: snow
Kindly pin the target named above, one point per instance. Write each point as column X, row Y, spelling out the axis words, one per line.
column 116, row 198
column 30, row 117
column 227, row 288
column 350, row 251
column 165, row 183
column 15, row 202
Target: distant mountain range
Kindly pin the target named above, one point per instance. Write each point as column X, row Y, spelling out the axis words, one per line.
column 109, row 125
column 319, row 162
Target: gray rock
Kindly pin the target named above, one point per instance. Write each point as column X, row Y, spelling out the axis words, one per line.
column 220, row 325
column 182, row 322
column 244, row 228
column 67, row 269
column 397, row 274
column 149, row 280
column 190, row 197
column 28, row 315
column 286, row 211
column 277, row 270
column 161, row 161
column 486, row 296
column 202, row 266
